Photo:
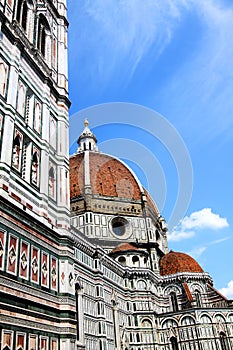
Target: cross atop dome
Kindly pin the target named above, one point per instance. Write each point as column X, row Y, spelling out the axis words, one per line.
column 87, row 140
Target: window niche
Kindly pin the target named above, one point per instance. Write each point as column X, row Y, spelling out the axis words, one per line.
column 35, row 167
column 25, row 17
column 52, row 180
column 37, row 116
column 44, row 38
column 53, row 132
column 3, row 77
column 17, row 151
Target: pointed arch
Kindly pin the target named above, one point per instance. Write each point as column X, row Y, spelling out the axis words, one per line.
column 17, row 151
column 24, row 16
column 3, row 77
column 35, row 167
column 52, row 182
column 44, row 38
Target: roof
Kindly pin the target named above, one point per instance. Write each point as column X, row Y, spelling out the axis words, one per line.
column 109, row 177
column 105, row 177
column 176, row 262
column 123, row 247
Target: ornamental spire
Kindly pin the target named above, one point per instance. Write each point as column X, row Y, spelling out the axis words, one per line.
column 87, row 140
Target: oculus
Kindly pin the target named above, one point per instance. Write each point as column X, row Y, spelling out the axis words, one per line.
column 120, row 226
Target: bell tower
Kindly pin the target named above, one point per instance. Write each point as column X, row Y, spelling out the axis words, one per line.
column 34, row 166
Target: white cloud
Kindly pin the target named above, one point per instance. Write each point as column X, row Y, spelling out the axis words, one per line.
column 227, row 291
column 198, row 220
column 202, row 219
column 177, row 235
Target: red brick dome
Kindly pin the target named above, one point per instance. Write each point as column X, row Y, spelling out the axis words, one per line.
column 108, row 177
column 96, row 178
column 175, row 262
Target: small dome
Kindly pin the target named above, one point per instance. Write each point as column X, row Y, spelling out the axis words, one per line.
column 124, row 247
column 175, row 262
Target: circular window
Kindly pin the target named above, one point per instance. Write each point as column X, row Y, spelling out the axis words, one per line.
column 119, row 226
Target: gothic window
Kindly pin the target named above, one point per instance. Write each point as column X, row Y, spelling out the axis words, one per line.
column 43, row 37
column 52, row 181
column 24, row 15
column 35, row 167
column 21, row 99
column 224, row 341
column 53, row 132
column 17, row 150
column 37, row 117
column 174, row 343
column 3, row 77
column 174, row 301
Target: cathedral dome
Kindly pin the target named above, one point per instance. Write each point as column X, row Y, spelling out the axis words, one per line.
column 175, row 262
column 109, row 204
column 103, row 176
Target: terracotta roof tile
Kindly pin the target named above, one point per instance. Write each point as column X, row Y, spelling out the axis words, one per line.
column 123, row 247
column 175, row 262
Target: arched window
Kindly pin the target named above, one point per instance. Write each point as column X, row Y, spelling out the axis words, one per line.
column 21, row 98
column 43, row 37
column 122, row 260
column 224, row 341
column 17, row 151
column 24, row 16
column 52, row 182
column 35, row 168
column 19, row 9
column 135, row 260
column 3, row 77
column 37, row 117
column 174, row 343
column 53, row 132
column 174, row 301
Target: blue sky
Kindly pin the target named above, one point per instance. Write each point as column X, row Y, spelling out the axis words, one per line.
column 155, row 80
